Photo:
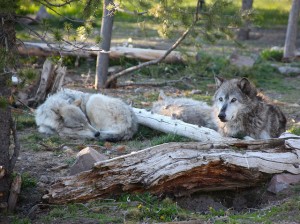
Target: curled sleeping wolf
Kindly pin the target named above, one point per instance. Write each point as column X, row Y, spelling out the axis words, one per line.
column 185, row 109
column 240, row 111
column 82, row 115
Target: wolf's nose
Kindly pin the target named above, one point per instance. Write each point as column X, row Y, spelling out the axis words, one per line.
column 97, row 134
column 221, row 116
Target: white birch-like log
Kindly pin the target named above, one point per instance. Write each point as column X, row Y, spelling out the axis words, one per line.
column 169, row 125
column 42, row 49
column 180, row 169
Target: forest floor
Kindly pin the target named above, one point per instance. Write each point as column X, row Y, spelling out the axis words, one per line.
column 42, row 160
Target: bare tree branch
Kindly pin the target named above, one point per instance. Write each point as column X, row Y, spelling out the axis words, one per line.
column 156, row 61
column 145, row 64
column 46, row 3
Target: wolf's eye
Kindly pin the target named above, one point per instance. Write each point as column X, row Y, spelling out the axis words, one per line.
column 233, row 100
column 221, row 99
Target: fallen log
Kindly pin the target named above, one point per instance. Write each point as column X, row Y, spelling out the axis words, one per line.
column 180, row 169
column 168, row 124
column 43, row 49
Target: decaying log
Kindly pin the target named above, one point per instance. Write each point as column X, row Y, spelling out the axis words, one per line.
column 169, row 125
column 180, row 169
column 42, row 49
column 51, row 80
column 14, row 192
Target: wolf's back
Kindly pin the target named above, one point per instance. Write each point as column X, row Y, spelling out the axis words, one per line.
column 111, row 116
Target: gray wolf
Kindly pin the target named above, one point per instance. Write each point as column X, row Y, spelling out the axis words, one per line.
column 239, row 110
column 185, row 109
column 82, row 115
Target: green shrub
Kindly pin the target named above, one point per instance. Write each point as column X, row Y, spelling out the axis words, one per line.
column 272, row 54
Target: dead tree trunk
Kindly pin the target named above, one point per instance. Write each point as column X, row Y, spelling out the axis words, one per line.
column 142, row 54
column 291, row 33
column 51, row 81
column 169, row 125
column 180, row 169
column 103, row 56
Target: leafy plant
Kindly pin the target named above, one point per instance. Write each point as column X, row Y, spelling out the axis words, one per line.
column 272, row 54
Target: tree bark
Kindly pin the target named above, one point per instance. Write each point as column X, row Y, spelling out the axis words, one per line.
column 106, row 33
column 180, row 169
column 5, row 122
column 7, row 58
column 244, row 31
column 291, row 33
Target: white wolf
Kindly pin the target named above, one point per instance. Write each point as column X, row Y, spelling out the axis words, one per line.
column 83, row 115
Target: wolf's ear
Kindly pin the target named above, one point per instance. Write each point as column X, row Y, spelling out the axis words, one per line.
column 77, row 102
column 245, row 86
column 219, row 81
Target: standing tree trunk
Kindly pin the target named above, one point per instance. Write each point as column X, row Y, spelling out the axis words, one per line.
column 291, row 33
column 106, row 33
column 5, row 121
column 244, row 31
column 7, row 46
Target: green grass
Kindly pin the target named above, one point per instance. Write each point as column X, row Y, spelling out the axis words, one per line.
column 24, row 120
column 28, row 181
column 287, row 211
column 156, row 137
column 17, row 220
column 76, row 212
column 127, row 208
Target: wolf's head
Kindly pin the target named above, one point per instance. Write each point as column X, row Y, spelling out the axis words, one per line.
column 233, row 98
column 73, row 123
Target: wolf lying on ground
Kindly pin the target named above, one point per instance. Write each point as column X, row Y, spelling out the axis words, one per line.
column 82, row 115
column 185, row 109
column 240, row 111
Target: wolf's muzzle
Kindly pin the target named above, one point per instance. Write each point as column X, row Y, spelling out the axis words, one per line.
column 222, row 114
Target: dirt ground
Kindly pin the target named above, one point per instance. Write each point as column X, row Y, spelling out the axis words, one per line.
column 47, row 164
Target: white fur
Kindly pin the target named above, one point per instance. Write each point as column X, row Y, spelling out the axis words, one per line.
column 61, row 114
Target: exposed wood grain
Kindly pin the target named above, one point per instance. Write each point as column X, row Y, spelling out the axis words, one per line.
column 179, row 169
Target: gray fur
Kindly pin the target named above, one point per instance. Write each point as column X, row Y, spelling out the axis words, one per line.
column 185, row 109
column 240, row 111
column 82, row 115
